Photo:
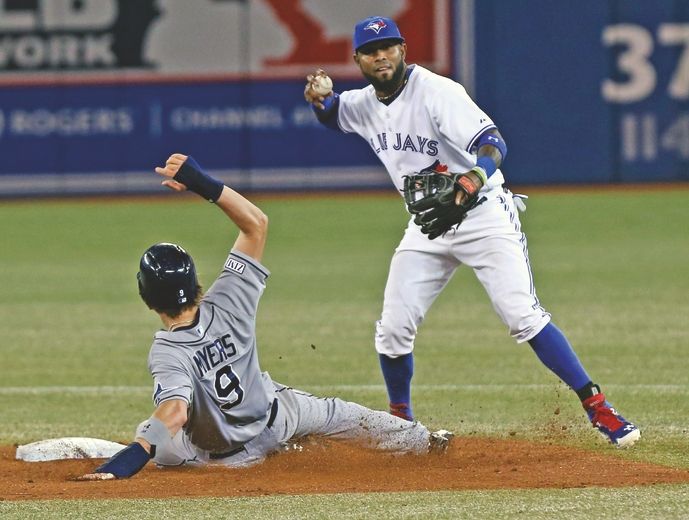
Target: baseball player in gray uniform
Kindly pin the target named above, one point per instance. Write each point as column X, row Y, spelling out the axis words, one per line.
column 213, row 403
column 415, row 120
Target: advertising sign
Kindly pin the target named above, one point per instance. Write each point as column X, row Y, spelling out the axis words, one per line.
column 94, row 93
column 110, row 87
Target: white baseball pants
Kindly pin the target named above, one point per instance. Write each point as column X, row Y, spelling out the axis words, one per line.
column 491, row 242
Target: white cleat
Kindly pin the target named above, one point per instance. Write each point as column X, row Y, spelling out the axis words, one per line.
column 628, row 440
column 439, row 441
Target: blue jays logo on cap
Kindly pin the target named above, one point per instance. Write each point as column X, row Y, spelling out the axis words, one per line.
column 376, row 25
column 373, row 29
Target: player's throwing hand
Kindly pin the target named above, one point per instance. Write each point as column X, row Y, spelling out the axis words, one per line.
column 318, row 87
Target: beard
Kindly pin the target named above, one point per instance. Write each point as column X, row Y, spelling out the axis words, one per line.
column 388, row 86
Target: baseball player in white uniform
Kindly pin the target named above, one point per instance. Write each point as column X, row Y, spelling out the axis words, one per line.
column 412, row 118
column 213, row 403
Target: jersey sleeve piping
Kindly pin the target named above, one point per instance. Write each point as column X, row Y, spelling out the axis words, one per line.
column 255, row 263
column 174, row 396
column 472, row 143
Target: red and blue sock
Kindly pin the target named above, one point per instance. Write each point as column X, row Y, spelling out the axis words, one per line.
column 397, row 373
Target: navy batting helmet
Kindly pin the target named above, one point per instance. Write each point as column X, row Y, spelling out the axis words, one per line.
column 167, row 278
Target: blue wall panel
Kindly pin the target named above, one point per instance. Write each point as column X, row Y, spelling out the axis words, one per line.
column 541, row 67
column 231, row 125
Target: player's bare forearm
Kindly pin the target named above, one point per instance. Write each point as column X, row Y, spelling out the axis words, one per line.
column 173, row 414
column 489, row 156
column 251, row 221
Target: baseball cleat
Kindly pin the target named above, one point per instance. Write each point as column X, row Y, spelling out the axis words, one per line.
column 439, row 441
column 611, row 425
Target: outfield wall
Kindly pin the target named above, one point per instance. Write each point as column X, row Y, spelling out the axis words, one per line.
column 93, row 94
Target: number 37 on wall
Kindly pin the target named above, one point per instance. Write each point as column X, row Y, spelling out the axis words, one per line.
column 634, row 61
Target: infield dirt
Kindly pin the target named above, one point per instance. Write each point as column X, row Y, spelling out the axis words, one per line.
column 470, row 463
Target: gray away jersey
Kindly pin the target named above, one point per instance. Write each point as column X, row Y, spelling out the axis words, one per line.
column 213, row 363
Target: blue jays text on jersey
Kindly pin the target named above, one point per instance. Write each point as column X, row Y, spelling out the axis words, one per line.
column 212, row 354
column 407, row 143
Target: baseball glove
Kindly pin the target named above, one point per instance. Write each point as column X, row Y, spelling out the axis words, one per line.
column 431, row 193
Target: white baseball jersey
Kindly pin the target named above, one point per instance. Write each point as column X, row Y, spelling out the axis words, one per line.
column 432, row 118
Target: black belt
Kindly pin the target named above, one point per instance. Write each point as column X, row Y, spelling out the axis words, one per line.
column 273, row 413
column 271, row 420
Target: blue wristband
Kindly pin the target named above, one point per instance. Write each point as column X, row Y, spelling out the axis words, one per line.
column 328, row 116
column 328, row 103
column 488, row 165
column 126, row 462
column 488, row 138
column 195, row 179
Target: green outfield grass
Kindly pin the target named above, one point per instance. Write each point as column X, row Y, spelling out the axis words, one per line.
column 611, row 267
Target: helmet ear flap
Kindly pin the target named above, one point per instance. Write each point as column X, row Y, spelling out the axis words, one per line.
column 142, row 290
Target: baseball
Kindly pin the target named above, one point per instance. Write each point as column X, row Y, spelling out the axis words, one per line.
column 322, row 85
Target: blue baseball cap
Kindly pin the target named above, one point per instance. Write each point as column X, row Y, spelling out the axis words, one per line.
column 373, row 29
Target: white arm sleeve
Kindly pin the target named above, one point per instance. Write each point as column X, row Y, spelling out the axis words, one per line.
column 459, row 119
column 348, row 116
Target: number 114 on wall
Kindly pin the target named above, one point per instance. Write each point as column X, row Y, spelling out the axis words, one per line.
column 642, row 137
column 645, row 135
